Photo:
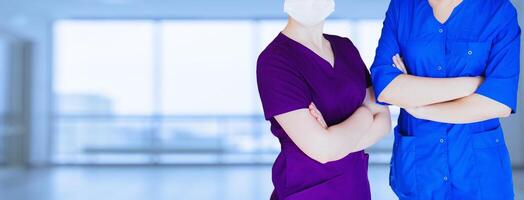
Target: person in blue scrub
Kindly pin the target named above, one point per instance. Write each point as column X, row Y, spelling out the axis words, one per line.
column 453, row 68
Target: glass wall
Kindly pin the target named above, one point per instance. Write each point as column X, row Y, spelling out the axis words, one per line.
column 169, row 91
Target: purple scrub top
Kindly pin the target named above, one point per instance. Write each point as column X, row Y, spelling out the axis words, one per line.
column 290, row 77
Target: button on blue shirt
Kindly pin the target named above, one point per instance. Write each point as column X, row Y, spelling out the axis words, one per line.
column 433, row 160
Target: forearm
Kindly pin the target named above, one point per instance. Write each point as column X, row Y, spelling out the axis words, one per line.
column 470, row 109
column 380, row 127
column 344, row 138
column 325, row 144
column 412, row 91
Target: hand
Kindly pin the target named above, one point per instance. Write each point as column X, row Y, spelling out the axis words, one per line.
column 317, row 115
column 398, row 63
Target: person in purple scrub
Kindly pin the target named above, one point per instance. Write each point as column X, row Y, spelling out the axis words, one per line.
column 316, row 93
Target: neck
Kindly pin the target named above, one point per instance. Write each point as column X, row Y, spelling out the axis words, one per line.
column 298, row 32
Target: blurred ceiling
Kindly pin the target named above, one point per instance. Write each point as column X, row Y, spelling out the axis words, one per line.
column 53, row 9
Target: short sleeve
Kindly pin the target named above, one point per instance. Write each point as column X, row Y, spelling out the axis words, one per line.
column 502, row 70
column 281, row 87
column 359, row 61
column 382, row 69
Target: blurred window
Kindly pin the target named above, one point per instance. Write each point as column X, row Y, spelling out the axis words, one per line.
column 168, row 91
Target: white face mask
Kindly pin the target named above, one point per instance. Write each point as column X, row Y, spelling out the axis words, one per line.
column 309, row 12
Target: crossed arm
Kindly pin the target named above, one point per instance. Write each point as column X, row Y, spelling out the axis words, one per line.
column 450, row 100
column 308, row 130
column 447, row 100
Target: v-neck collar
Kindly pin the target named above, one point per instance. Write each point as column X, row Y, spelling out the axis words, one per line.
column 312, row 54
column 451, row 16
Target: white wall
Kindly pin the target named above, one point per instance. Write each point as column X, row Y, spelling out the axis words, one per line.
column 35, row 30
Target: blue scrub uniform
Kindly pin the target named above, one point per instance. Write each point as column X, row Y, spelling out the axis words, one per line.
column 433, row 160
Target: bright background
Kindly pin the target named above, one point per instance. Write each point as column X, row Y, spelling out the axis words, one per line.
column 136, row 99
column 169, row 91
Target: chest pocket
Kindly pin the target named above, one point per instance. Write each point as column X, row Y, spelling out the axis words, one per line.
column 470, row 57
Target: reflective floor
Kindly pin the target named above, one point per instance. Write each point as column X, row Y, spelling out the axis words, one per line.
column 159, row 183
